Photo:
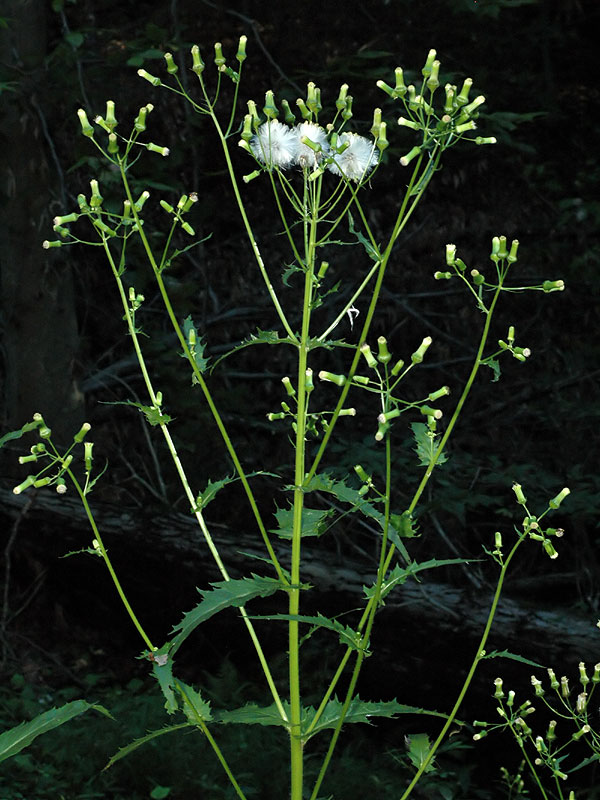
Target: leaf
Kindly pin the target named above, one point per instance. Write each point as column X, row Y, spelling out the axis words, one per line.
column 400, row 575
column 426, row 444
column 348, row 636
column 494, row 365
column 224, row 594
column 29, row 426
column 195, row 706
column 163, row 672
column 370, row 250
column 16, row 739
column 251, row 714
column 153, row 415
column 197, row 349
column 418, row 749
column 313, row 521
column 513, row 657
column 261, row 337
column 125, row 751
column 214, row 487
column 290, row 270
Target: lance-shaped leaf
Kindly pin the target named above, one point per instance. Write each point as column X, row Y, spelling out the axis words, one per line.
column 29, row 426
column 195, row 707
column 400, row 575
column 14, row 740
column 162, row 669
column 251, row 714
column 347, row 635
column 129, row 748
column 224, row 594
column 314, row 521
column 513, row 657
column 214, row 487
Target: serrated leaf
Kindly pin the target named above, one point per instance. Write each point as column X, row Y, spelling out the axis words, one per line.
column 513, row 657
column 370, row 250
column 494, row 365
column 196, row 350
column 153, row 415
column 400, row 575
column 418, row 745
column 347, row 635
column 290, row 270
column 251, row 714
column 163, row 672
column 195, row 707
column 224, row 594
column 322, row 482
column 426, row 442
column 314, row 521
column 16, row 739
column 214, row 487
column 261, row 337
column 125, row 751
column 27, row 428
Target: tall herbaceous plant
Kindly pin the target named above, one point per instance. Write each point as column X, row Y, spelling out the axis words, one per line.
column 318, row 167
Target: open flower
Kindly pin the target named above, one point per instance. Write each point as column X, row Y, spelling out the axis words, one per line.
column 275, row 144
column 306, row 156
column 357, row 160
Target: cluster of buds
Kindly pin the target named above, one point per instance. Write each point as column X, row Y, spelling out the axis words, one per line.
column 55, row 464
column 108, row 123
column 520, row 353
column 314, row 421
column 531, row 524
column 445, row 127
column 308, row 145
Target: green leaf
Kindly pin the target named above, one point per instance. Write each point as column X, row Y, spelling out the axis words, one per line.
column 513, row 657
column 418, row 749
column 129, row 748
column 426, row 444
column 370, row 250
column 314, row 521
column 400, row 575
column 16, row 739
column 153, row 415
column 261, row 337
column 194, row 707
column 163, row 672
column 348, row 636
column 160, row 792
column 494, row 365
column 196, row 350
column 214, row 487
column 29, row 426
column 224, row 594
column 290, row 270
column 251, row 714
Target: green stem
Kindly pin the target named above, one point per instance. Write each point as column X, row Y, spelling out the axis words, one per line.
column 479, row 654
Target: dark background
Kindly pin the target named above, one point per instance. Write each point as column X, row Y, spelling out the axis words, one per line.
column 64, row 351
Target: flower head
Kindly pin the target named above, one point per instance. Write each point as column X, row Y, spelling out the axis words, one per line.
column 357, row 160
column 275, row 144
column 306, row 155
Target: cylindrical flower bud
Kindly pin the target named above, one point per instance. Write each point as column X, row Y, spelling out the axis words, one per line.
column 313, row 98
column 197, row 63
column 512, row 256
column 581, row 703
column 485, row 140
column 362, row 380
column 450, row 98
column 418, row 355
column 41, row 482
column 110, row 119
column 86, row 127
column 96, row 198
column 172, row 67
column 64, row 220
column 288, row 386
column 553, row 286
column 596, row 675
column 428, row 67
column 81, row 434
column 308, row 384
column 113, row 143
column 270, row 110
column 550, row 549
column 139, row 204
column 412, row 154
column 167, row 207
column 382, row 140
column 388, row 415
column 478, row 278
column 347, row 412
column 241, row 51
column 369, row 357
column 465, row 126
column 87, row 455
column 27, row 459
column 564, row 686
column 382, row 429
column 376, row 124
column 510, row 699
column 400, row 87
column 537, row 685
column 156, row 148
column 397, row 367
column 339, row 380
column 409, row 123
column 185, row 226
column 362, row 474
column 518, row 490
column 473, row 106
column 581, row 732
column 192, row 200
column 347, row 112
column 219, row 58
column 442, row 276
column 433, row 81
column 433, row 396
column 551, row 732
column 556, row 501
column 289, row 116
column 384, row 356
column 45, row 432
column 498, row 540
column 463, row 96
column 436, row 413
column 29, row 481
column 450, row 254
column 380, row 85
column 148, row 77
column 323, row 269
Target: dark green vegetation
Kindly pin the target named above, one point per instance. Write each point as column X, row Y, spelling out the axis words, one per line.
column 539, row 184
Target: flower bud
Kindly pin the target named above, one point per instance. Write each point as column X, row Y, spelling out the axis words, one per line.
column 382, row 429
column 87, row 455
column 113, row 143
column 188, row 228
column 388, row 415
column 58, row 221
column 382, row 140
column 581, row 702
column 498, row 540
column 463, row 97
column 27, row 459
column 553, row 286
column 400, row 88
column 469, row 109
column 219, row 58
column 172, row 67
column 450, row 98
column 417, row 356
column 384, row 356
column 436, row 413
column 308, row 383
column 339, row 380
column 465, row 126
column 485, row 140
column 374, row 130
column 323, row 270
column 289, row 117
column 556, row 501
column 139, row 204
column 197, row 64
column 270, row 110
column 369, row 357
column 81, row 434
column 241, row 51
column 537, row 685
column 517, row 489
column 140, row 121
column 381, row 85
column 362, row 474
column 86, row 127
column 409, row 123
column 433, row 81
column 362, row 380
column 550, row 733
column 450, row 254
column 347, row 112
column 428, row 68
column 29, row 481
column 288, row 386
column 512, row 256
column 406, row 159
column 442, row 276
column 313, row 98
column 478, row 278
column 156, row 148
column 148, row 77
column 550, row 549
column 564, row 686
column 433, row 396
column 347, row 412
